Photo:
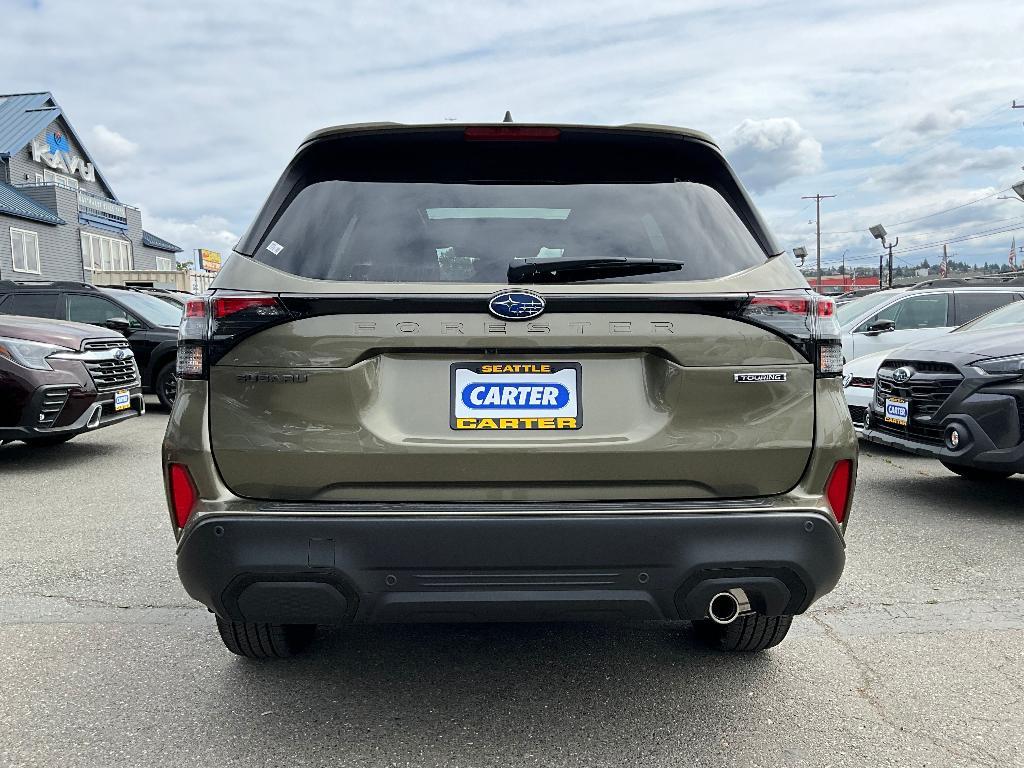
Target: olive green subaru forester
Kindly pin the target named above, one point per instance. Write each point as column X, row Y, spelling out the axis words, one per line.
column 508, row 373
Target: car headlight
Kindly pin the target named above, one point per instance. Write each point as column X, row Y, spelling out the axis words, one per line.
column 847, row 378
column 29, row 354
column 1002, row 366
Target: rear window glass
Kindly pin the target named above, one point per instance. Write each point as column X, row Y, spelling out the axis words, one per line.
column 471, row 232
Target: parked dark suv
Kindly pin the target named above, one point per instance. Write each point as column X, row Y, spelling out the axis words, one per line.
column 59, row 379
column 508, row 372
column 149, row 323
column 958, row 398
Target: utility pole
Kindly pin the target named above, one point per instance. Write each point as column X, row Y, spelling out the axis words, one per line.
column 890, row 246
column 817, row 225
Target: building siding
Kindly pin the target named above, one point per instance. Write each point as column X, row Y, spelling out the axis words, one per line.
column 60, row 246
column 23, row 170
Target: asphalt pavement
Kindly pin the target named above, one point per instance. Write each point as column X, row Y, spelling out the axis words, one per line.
column 917, row 659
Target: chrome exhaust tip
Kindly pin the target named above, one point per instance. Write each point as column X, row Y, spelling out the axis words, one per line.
column 726, row 607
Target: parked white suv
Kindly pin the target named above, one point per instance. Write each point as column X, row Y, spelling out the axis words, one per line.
column 889, row 319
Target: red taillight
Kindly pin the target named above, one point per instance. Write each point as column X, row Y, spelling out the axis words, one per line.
column 837, row 489
column 195, row 308
column 795, row 306
column 511, row 133
column 229, row 305
column 183, row 493
column 806, row 320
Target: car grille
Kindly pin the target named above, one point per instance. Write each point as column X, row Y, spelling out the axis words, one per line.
column 921, row 367
column 113, row 374
column 104, row 344
column 920, row 433
column 53, row 403
column 857, row 414
column 926, row 392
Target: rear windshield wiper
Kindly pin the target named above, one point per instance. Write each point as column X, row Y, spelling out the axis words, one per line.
column 560, row 270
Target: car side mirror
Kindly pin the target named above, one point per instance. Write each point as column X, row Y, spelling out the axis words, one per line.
column 118, row 324
column 881, row 326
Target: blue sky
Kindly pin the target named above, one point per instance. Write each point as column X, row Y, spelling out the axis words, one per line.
column 902, row 109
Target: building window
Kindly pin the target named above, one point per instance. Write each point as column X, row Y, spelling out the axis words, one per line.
column 60, row 180
column 105, row 254
column 163, row 264
column 25, row 251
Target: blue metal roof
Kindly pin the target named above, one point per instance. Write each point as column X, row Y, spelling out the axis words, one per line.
column 13, row 203
column 152, row 241
column 24, row 115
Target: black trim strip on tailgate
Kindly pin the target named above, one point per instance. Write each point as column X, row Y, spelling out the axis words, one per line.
column 312, row 306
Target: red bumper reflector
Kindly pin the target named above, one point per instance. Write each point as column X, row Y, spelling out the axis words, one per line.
column 837, row 489
column 183, row 493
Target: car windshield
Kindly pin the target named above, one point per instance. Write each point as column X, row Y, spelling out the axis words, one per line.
column 849, row 312
column 1011, row 314
column 151, row 309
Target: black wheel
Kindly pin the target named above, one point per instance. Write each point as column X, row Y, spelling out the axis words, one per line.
column 259, row 640
column 166, row 385
column 750, row 632
column 975, row 474
column 49, row 440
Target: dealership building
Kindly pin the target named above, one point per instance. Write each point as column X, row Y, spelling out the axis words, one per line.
column 59, row 217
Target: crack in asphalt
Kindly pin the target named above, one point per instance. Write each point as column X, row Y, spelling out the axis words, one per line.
column 869, row 676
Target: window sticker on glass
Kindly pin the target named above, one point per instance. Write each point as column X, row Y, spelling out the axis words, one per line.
column 275, row 247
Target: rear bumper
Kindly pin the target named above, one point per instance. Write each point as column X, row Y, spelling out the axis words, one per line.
column 335, row 569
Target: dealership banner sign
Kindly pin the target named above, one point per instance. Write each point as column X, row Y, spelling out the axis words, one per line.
column 55, row 152
column 209, row 260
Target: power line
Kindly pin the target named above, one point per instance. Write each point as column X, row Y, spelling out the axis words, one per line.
column 935, row 244
column 922, row 218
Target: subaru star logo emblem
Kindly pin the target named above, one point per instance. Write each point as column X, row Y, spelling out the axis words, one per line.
column 516, row 305
column 901, row 375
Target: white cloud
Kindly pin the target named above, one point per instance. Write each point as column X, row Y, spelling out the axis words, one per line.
column 768, row 152
column 217, row 96
column 212, row 232
column 110, row 146
column 921, row 129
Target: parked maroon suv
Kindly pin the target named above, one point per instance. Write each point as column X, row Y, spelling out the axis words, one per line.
column 59, row 379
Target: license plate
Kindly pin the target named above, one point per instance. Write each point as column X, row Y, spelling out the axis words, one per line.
column 122, row 400
column 515, row 396
column 897, row 410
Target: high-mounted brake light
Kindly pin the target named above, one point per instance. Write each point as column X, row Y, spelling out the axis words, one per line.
column 511, row 133
column 837, row 488
column 806, row 320
column 183, row 493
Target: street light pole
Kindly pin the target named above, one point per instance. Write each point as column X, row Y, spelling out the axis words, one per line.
column 817, row 226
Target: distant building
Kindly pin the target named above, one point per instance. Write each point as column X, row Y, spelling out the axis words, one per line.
column 59, row 217
column 836, row 284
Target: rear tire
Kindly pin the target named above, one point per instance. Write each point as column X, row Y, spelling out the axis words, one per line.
column 750, row 632
column 260, row 640
column 166, row 385
column 975, row 474
column 48, row 441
